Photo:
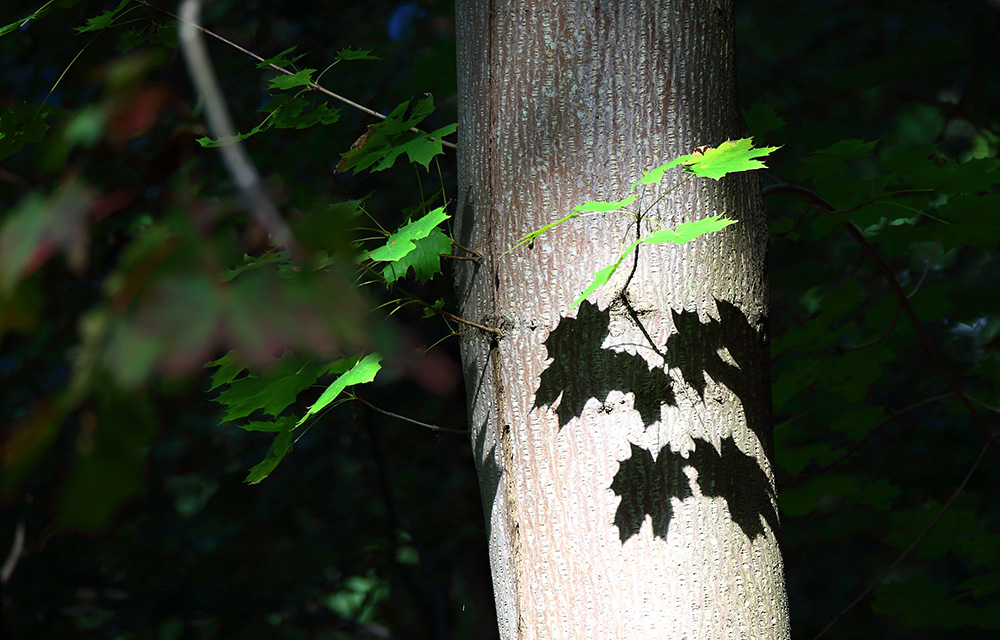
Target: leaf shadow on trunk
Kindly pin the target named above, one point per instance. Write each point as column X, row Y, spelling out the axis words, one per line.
column 646, row 485
column 575, row 343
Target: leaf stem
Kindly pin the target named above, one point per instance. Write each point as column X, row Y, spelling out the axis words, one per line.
column 432, row 308
column 432, row 427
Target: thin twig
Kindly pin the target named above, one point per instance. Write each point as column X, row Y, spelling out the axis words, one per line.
column 466, row 249
column 923, row 534
column 985, row 405
column 220, row 125
column 822, row 204
column 432, row 308
column 883, row 336
column 796, row 225
column 927, row 270
column 312, row 85
column 481, row 327
column 410, row 420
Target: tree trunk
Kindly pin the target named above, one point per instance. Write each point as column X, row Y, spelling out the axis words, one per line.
column 623, row 447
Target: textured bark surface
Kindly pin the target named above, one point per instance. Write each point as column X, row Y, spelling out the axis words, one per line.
column 623, row 446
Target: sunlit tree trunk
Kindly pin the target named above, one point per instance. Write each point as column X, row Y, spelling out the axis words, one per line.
column 624, row 446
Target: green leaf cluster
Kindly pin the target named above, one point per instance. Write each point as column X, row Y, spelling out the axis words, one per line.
column 730, row 157
column 393, row 137
column 270, row 391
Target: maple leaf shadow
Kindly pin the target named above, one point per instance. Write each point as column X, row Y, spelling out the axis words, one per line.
column 647, row 486
column 695, row 349
column 575, row 343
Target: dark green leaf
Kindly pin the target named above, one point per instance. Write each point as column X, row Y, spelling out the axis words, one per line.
column 763, row 118
column 302, row 78
column 269, row 392
column 355, row 54
column 280, row 60
column 281, row 446
column 921, row 603
column 104, row 20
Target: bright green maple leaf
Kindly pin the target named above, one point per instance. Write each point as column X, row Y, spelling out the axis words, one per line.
column 363, row 371
column 425, row 259
column 685, row 232
column 729, row 157
column 688, row 231
column 399, row 244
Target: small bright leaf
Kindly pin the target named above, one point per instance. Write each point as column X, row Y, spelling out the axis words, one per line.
column 532, row 236
column 362, row 372
column 654, row 176
column 688, row 231
column 601, row 276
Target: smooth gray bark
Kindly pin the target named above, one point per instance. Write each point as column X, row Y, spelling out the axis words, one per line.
column 623, row 447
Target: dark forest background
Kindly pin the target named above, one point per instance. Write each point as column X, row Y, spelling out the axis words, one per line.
column 373, row 527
